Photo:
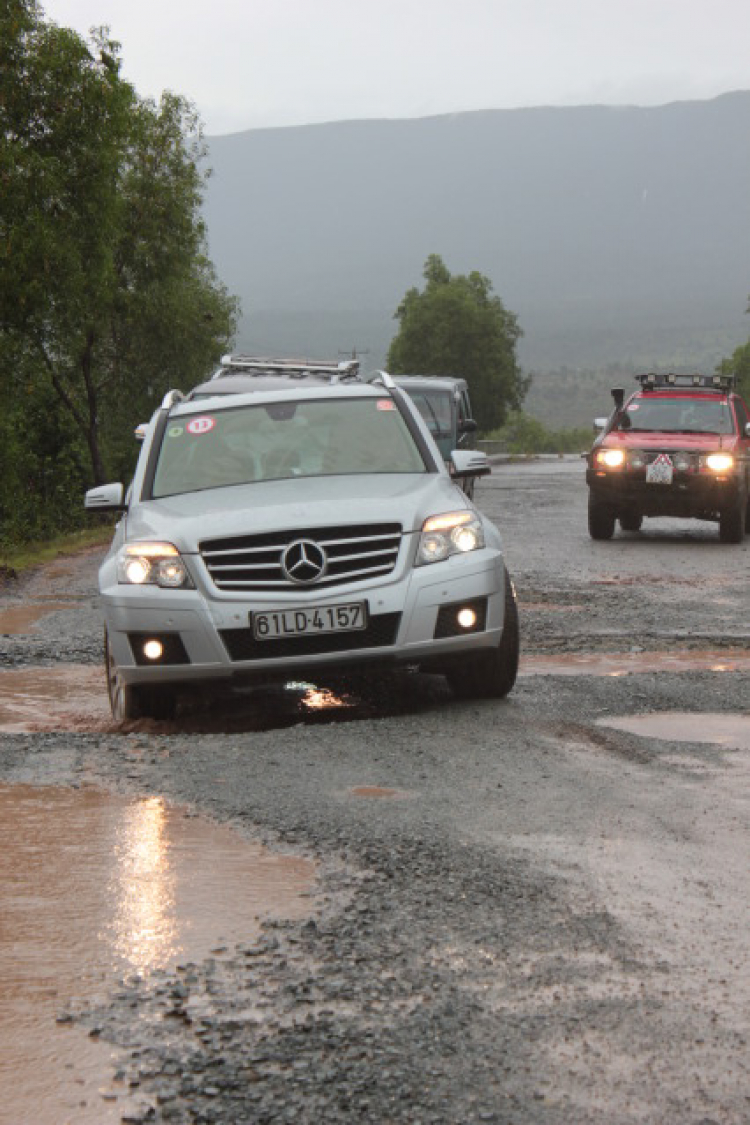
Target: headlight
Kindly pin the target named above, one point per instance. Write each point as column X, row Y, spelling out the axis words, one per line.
column 454, row 533
column 611, row 458
column 719, row 462
column 152, row 564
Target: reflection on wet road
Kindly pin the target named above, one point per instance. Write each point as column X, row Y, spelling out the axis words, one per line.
column 94, row 888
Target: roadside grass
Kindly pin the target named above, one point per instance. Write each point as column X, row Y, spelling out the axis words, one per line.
column 15, row 560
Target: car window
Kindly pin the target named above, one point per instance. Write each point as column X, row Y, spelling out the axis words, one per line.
column 435, row 408
column 241, row 445
column 677, row 415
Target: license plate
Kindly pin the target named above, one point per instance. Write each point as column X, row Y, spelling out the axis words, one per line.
column 305, row 622
column 660, row 471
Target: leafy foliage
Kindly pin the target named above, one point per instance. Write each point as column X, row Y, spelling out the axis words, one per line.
column 524, row 434
column 739, row 364
column 106, row 293
column 455, row 326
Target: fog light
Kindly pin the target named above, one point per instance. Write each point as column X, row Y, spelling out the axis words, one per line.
column 153, row 650
column 466, row 618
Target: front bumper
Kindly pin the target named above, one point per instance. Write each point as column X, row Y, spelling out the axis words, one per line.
column 410, row 621
column 690, row 495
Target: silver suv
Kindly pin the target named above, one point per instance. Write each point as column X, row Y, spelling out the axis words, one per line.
column 292, row 528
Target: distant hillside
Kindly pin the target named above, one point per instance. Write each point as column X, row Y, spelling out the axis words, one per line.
column 616, row 235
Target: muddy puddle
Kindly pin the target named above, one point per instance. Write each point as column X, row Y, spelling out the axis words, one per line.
column 630, row 663
column 720, row 729
column 73, row 697
column 94, row 888
column 18, row 620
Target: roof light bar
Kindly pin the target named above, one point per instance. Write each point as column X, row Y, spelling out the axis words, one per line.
column 718, row 382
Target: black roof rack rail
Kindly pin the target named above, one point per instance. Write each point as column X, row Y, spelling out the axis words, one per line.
column 652, row 380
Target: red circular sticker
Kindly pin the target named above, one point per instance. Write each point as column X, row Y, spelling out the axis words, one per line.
column 200, row 425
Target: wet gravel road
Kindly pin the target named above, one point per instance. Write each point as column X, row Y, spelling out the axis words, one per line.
column 523, row 914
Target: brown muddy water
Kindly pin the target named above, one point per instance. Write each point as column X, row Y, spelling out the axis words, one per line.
column 22, row 619
column 94, row 888
column 629, row 663
column 719, row 729
column 73, row 697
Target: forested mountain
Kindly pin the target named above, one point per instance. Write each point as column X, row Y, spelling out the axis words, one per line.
column 616, row 234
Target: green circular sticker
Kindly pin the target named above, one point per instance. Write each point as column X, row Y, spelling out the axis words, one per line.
column 175, row 431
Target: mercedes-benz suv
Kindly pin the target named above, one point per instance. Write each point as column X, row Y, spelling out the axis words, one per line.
column 304, row 527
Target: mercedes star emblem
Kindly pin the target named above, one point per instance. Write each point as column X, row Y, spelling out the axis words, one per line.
column 304, row 561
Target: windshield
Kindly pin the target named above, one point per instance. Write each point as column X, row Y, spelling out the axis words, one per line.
column 677, row 415
column 435, row 408
column 241, row 445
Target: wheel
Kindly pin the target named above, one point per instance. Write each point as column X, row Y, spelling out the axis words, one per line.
column 601, row 520
column 135, row 701
column 631, row 521
column 732, row 523
column 491, row 675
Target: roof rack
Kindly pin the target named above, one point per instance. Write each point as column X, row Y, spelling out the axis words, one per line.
column 294, row 368
column 171, row 399
column 652, row 380
column 381, row 377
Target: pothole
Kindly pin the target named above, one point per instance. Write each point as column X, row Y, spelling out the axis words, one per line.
column 96, row 887
column 18, row 620
column 375, row 791
column 720, row 729
column 630, row 663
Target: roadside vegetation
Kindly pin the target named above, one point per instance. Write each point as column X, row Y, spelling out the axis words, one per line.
column 456, row 326
column 15, row 559
column 525, row 435
column 107, row 296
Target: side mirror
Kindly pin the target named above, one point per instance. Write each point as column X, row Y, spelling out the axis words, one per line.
column 600, row 423
column 468, row 426
column 469, row 463
column 105, row 498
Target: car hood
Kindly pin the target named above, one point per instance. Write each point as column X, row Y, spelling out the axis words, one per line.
column 688, row 442
column 279, row 505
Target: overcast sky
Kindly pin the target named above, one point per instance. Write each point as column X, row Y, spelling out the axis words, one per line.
column 257, row 63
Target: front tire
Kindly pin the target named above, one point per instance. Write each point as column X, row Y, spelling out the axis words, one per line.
column 491, row 675
column 135, row 701
column 631, row 521
column 732, row 522
column 601, row 520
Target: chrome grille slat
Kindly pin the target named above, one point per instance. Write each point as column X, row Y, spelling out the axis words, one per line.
column 248, row 562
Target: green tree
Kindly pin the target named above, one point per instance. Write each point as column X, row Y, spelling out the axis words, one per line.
column 455, row 326
column 106, row 293
column 739, row 364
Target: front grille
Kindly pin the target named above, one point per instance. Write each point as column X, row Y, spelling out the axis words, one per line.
column 382, row 630
column 689, row 461
column 253, row 562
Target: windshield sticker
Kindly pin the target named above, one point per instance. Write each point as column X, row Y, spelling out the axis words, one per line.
column 201, row 425
column 633, row 406
column 385, row 404
column 175, row 431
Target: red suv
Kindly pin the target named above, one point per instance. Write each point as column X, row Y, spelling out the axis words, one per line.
column 679, row 446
